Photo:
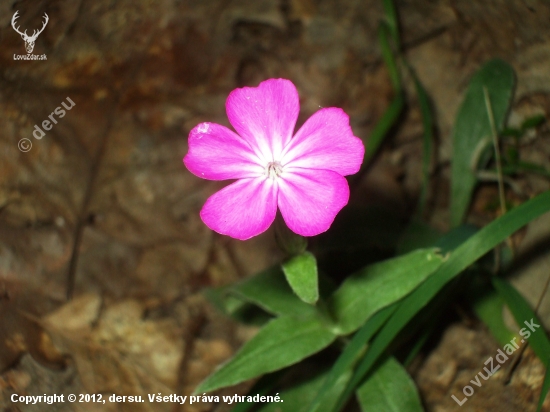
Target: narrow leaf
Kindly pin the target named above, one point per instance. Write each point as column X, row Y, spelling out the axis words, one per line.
column 417, row 235
column 263, row 386
column 538, row 339
column 298, row 397
column 282, row 342
column 466, row 254
column 472, row 128
column 270, row 291
column 545, row 388
column 489, row 309
column 376, row 286
column 526, row 318
column 390, row 17
column 532, row 122
column 301, row 274
column 348, row 358
column 427, row 139
column 383, row 126
column 389, row 389
column 384, row 32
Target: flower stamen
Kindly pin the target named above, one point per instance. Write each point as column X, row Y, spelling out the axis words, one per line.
column 273, row 169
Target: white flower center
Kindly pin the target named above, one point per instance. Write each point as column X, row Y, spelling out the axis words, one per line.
column 273, row 169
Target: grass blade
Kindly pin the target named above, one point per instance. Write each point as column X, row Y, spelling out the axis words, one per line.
column 383, row 126
column 282, row 342
column 466, row 254
column 390, row 17
column 389, row 389
column 349, row 356
column 523, row 313
column 388, row 56
column 545, row 388
column 427, row 139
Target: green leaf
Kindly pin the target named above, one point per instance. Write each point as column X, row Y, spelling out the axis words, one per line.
column 425, row 333
column 523, row 313
column 427, row 139
column 383, row 36
column 270, row 291
column 219, row 299
column 527, row 167
column 417, row 235
column 545, row 388
column 389, row 389
column 472, row 130
column 298, row 397
column 489, row 309
column 383, row 126
column 263, row 386
column 282, row 342
column 301, row 274
column 464, row 255
column 512, row 155
column 532, row 122
column 511, row 132
column 390, row 17
column 538, row 339
column 347, row 359
column 387, row 29
column 239, row 309
column 376, row 286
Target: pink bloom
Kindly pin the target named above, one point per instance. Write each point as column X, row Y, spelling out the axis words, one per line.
column 302, row 175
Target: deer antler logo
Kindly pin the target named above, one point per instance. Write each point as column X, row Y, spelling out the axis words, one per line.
column 29, row 40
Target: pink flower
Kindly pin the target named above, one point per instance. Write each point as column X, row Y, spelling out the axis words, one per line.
column 302, row 175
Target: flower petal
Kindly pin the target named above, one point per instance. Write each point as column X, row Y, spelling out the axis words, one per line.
column 265, row 116
column 310, row 199
column 243, row 209
column 217, row 153
column 326, row 141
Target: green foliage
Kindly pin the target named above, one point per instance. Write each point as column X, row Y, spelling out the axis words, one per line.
column 512, row 163
column 538, row 339
column 532, row 122
column 341, row 371
column 522, row 312
column 472, row 130
column 544, row 390
column 390, row 19
column 366, row 316
column 379, row 285
column 270, row 291
column 462, row 257
column 302, row 330
column 383, row 126
column 489, row 309
column 301, row 274
column 389, row 389
column 427, row 139
column 384, row 34
column 298, row 397
column 282, row 342
column 388, row 33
